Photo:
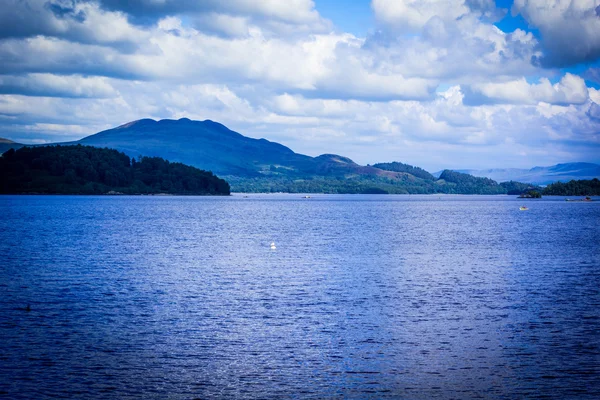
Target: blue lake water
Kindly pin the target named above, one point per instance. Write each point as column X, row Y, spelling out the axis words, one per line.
column 418, row 297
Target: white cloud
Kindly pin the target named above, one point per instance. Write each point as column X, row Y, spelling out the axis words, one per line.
column 412, row 15
column 332, row 65
column 467, row 49
column 297, row 11
column 56, row 85
column 82, row 22
column 571, row 89
column 570, row 29
column 594, row 95
column 274, row 17
column 223, row 24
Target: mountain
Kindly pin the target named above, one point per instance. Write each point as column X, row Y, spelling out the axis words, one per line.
column 204, row 144
column 540, row 175
column 6, row 144
column 250, row 164
column 211, row 146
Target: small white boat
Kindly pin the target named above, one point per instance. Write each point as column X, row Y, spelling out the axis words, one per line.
column 273, row 246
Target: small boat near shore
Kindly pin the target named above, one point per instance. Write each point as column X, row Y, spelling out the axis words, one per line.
column 523, row 208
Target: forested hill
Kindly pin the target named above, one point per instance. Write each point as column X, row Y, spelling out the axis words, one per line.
column 574, row 188
column 464, row 183
column 91, row 170
column 400, row 167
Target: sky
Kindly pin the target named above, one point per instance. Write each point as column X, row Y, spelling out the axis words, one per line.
column 433, row 83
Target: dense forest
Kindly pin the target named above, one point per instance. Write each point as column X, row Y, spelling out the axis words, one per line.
column 460, row 183
column 450, row 182
column 91, row 170
column 362, row 185
column 574, row 188
column 400, row 167
column 513, row 187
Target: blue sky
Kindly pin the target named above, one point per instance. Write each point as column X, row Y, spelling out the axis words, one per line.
column 348, row 16
column 357, row 17
column 434, row 83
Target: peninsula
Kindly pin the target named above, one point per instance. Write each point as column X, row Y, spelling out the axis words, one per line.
column 91, row 170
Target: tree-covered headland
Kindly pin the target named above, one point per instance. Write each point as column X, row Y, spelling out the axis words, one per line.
column 574, row 188
column 91, row 170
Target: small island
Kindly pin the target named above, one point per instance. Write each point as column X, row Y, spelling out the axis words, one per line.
column 530, row 194
column 91, row 170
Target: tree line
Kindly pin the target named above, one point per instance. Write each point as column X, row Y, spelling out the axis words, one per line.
column 91, row 170
column 574, row 188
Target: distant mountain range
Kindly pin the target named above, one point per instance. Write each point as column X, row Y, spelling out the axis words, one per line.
column 259, row 165
column 538, row 175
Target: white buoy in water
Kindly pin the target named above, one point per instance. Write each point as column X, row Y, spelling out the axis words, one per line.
column 273, row 246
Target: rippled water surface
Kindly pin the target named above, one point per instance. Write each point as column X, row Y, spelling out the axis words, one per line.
column 416, row 297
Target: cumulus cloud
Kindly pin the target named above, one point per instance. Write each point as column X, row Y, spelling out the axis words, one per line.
column 82, row 22
column 42, row 54
column 450, row 40
column 571, row 89
column 232, row 49
column 223, row 24
column 297, row 11
column 570, row 29
column 56, row 86
column 327, row 65
column 592, row 74
column 595, row 95
column 412, row 15
column 125, row 24
column 274, row 15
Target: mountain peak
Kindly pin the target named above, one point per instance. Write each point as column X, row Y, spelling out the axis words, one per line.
column 143, row 121
column 206, row 144
column 335, row 158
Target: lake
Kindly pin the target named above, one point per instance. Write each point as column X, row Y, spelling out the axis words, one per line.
column 366, row 296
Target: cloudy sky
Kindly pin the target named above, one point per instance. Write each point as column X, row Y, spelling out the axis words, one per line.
column 434, row 83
